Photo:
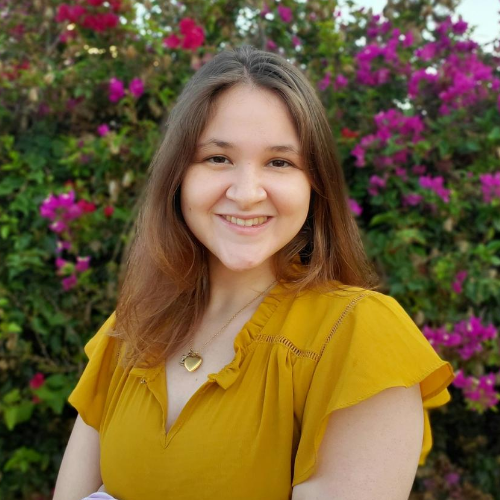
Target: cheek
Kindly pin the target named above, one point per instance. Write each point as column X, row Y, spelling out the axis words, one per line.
column 294, row 199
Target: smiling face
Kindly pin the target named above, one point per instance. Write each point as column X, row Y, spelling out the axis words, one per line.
column 247, row 166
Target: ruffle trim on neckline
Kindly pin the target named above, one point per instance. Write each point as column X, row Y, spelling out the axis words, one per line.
column 245, row 337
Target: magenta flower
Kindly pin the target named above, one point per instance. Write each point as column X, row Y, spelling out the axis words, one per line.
column 60, row 263
column 265, row 10
column 435, row 184
column 58, row 226
column 194, row 35
column 459, row 279
column 341, row 81
column 325, row 82
column 69, row 282
column 296, row 41
column 285, row 13
column 82, row 264
column 412, row 199
column 271, row 45
column 490, row 186
column 136, row 87
column 355, row 207
column 62, row 245
column 376, row 182
column 172, row 41
column 100, row 22
column 116, row 89
column 71, row 13
column 103, row 130
column 37, row 380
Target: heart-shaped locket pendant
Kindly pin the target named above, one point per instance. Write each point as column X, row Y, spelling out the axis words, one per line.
column 191, row 361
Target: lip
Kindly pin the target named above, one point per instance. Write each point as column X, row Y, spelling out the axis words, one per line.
column 245, row 229
column 246, row 217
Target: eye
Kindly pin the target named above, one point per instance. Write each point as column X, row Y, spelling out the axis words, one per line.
column 224, row 158
column 283, row 161
column 218, row 162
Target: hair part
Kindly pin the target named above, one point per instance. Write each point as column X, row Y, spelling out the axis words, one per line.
column 165, row 287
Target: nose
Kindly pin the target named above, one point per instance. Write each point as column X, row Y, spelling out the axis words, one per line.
column 246, row 187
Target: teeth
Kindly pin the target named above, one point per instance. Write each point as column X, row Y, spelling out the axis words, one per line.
column 247, row 222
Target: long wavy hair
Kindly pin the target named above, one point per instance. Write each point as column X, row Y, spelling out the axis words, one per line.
column 165, row 286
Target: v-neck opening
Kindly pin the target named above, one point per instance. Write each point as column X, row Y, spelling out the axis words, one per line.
column 156, row 378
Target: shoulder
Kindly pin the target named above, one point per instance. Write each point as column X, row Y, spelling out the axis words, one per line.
column 311, row 316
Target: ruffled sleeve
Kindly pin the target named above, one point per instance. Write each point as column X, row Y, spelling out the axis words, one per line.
column 90, row 394
column 373, row 346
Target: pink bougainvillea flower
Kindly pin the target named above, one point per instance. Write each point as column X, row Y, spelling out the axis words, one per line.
column 103, row 130
column 58, row 226
column 460, row 27
column 60, row 263
column 271, row 45
column 172, row 42
column 116, row 89
column 490, row 186
column 82, row 264
column 69, row 282
column 136, row 87
column 285, row 13
column 186, row 24
column 340, row 82
column 71, row 13
column 100, row 22
column 37, row 380
column 376, row 182
column 412, row 199
column 296, row 41
column 355, row 207
column 62, row 245
column 435, row 184
column 459, row 279
column 325, row 82
column 95, row 3
column 194, row 38
column 116, row 5
column 108, row 210
column 86, row 206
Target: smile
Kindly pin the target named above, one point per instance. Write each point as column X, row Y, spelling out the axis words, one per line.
column 245, row 226
column 245, row 222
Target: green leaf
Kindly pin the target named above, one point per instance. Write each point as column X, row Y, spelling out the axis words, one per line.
column 17, row 414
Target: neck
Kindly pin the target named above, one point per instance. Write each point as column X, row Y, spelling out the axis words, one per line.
column 230, row 290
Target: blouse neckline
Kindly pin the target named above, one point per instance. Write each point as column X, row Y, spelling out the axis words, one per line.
column 244, row 338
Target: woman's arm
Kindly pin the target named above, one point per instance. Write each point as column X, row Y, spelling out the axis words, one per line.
column 369, row 450
column 80, row 473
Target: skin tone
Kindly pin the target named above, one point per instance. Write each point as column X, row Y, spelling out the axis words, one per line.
column 244, row 177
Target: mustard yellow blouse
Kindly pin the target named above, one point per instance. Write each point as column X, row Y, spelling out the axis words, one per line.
column 253, row 429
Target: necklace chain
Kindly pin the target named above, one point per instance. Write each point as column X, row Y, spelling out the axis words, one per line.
column 234, row 316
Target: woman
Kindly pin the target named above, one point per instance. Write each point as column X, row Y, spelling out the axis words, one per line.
column 248, row 331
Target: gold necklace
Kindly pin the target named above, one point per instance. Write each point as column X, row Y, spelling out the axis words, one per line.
column 192, row 360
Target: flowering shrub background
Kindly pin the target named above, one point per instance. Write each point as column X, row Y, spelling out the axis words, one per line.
column 84, row 89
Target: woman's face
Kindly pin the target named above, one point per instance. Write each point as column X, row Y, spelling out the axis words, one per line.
column 247, row 166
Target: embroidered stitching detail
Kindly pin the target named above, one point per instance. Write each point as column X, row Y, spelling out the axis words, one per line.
column 272, row 339
column 342, row 316
column 288, row 343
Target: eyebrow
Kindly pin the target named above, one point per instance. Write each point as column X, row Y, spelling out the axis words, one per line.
column 282, row 148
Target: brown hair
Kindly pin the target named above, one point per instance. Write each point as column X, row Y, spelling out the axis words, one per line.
column 165, row 287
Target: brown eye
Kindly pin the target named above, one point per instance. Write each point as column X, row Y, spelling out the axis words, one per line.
column 282, row 161
column 219, row 162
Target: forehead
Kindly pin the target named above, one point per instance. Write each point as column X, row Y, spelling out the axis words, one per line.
column 246, row 114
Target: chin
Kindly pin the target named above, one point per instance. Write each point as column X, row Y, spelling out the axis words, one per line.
column 239, row 265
